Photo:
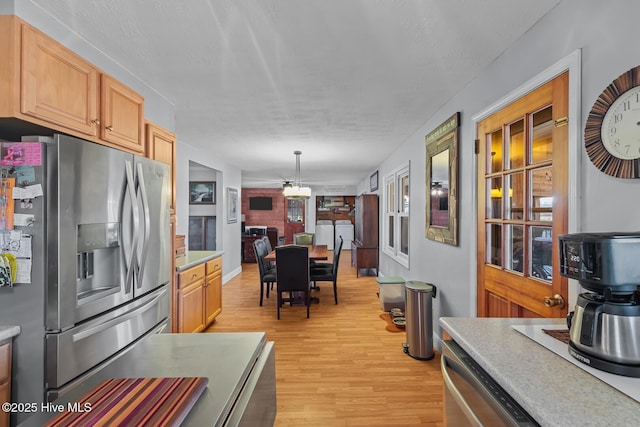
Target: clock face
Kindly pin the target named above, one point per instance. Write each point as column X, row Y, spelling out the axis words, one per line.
column 612, row 130
column 620, row 130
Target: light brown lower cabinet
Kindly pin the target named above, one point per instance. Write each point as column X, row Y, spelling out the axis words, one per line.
column 213, row 290
column 199, row 295
column 190, row 299
column 5, row 381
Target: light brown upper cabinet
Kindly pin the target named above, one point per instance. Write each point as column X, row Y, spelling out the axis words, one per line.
column 122, row 112
column 51, row 86
column 161, row 146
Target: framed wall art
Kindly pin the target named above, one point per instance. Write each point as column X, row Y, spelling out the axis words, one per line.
column 232, row 205
column 373, row 181
column 202, row 192
column 442, row 182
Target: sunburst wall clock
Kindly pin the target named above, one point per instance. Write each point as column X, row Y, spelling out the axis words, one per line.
column 612, row 131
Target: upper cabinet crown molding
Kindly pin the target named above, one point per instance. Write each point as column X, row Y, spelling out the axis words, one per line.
column 51, row 86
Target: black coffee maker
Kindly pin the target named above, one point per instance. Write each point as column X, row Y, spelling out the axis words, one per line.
column 604, row 329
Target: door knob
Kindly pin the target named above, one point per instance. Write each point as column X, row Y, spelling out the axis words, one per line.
column 553, row 301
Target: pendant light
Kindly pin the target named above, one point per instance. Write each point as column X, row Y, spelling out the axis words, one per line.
column 296, row 191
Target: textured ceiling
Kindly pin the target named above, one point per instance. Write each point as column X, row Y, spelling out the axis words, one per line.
column 344, row 81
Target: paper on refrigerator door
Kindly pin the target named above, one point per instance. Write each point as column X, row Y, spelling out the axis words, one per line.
column 28, row 192
column 23, row 220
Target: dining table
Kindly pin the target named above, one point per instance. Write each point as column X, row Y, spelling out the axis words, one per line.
column 316, row 253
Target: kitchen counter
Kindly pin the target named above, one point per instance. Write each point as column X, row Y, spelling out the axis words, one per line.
column 8, row 332
column 229, row 360
column 192, row 258
column 552, row 390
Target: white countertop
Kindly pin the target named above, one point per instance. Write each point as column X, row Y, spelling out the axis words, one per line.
column 8, row 332
column 552, row 390
column 192, row 258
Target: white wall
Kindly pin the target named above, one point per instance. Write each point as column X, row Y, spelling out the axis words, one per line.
column 607, row 40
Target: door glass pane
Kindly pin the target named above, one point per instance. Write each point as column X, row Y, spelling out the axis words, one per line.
column 494, row 244
column 541, row 141
column 494, row 197
column 404, row 235
column 391, row 241
column 210, row 242
column 541, row 260
column 514, row 207
column 541, row 199
column 294, row 210
column 196, row 231
column 514, row 252
column 516, row 145
column 494, row 151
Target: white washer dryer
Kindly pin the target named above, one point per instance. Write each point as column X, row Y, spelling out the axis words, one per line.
column 344, row 228
column 324, row 233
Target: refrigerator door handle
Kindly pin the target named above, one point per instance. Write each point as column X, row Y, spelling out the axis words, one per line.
column 147, row 223
column 131, row 264
column 120, row 319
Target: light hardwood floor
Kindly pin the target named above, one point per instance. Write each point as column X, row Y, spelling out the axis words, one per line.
column 340, row 367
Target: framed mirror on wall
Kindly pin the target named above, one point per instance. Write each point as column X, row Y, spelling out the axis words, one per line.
column 441, row 174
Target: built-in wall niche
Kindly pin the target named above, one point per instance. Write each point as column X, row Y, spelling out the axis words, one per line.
column 335, row 207
column 203, row 227
column 202, row 233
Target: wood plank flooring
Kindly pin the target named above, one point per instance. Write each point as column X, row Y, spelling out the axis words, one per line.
column 340, row 367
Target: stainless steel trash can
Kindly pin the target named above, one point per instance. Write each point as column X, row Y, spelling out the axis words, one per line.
column 419, row 319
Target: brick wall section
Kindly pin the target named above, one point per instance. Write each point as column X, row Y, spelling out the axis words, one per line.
column 272, row 218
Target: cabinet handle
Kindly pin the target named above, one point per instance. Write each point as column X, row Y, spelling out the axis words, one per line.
column 96, row 122
column 194, row 275
column 109, row 128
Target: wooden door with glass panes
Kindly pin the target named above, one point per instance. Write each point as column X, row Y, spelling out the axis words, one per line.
column 294, row 218
column 522, row 205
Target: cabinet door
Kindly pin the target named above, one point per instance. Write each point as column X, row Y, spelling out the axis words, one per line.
column 191, row 307
column 122, row 112
column 57, row 85
column 213, row 297
column 161, row 146
column 5, row 381
column 5, row 396
column 174, row 276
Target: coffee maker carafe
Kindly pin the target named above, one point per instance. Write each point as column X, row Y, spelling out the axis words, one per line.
column 604, row 329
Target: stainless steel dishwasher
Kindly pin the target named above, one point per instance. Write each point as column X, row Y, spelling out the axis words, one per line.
column 472, row 397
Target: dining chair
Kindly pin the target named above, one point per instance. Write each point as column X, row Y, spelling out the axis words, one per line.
column 325, row 272
column 292, row 269
column 304, row 239
column 267, row 273
column 267, row 244
column 267, row 249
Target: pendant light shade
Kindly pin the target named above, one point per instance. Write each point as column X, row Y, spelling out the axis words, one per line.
column 296, row 190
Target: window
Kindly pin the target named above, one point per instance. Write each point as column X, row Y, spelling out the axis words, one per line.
column 396, row 215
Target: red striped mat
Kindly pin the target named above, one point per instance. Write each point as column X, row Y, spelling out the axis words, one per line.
column 134, row 402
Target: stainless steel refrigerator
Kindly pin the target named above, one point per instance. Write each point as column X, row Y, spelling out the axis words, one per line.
column 101, row 265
